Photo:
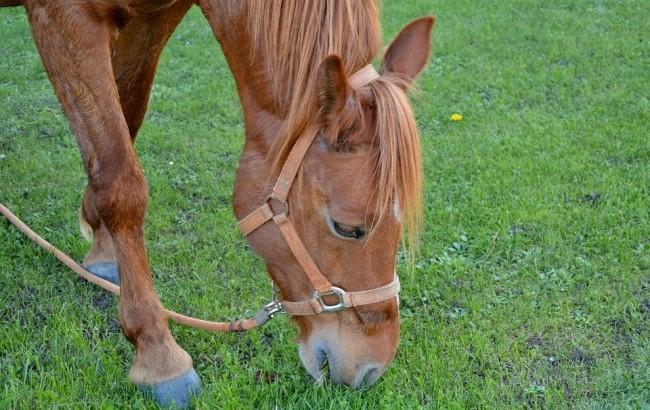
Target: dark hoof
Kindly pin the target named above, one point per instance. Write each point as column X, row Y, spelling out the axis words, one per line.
column 174, row 393
column 105, row 270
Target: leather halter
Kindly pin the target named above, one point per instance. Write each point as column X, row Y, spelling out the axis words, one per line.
column 280, row 193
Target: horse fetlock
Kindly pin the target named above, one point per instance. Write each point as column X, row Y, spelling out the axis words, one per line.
column 143, row 319
column 102, row 249
column 84, row 227
column 158, row 356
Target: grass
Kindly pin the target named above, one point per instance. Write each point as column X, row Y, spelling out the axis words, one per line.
column 533, row 285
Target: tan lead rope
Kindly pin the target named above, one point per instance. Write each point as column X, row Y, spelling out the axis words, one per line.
column 261, row 317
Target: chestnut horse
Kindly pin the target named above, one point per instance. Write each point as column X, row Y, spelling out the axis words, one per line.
column 357, row 188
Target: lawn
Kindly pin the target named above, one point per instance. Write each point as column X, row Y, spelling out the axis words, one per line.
column 532, row 286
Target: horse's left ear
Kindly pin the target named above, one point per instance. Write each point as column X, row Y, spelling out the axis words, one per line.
column 333, row 92
column 409, row 52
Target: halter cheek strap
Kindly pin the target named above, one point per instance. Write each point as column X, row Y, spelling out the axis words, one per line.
column 263, row 214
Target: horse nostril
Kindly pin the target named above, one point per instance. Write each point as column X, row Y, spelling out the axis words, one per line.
column 321, row 363
column 371, row 377
column 321, row 357
column 366, row 376
column 315, row 361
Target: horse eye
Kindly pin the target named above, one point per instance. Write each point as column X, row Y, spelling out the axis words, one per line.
column 352, row 232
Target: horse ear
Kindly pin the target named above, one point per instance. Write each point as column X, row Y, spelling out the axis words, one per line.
column 333, row 92
column 409, row 52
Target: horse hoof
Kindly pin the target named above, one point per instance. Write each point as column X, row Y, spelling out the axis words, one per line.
column 174, row 393
column 105, row 270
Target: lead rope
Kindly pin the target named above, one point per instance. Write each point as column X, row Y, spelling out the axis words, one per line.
column 262, row 316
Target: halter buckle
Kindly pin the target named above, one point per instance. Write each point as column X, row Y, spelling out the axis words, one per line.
column 273, row 307
column 338, row 292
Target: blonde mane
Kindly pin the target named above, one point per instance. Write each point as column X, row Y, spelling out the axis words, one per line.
column 295, row 36
column 398, row 169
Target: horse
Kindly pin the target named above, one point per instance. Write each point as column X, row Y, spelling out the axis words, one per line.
column 303, row 77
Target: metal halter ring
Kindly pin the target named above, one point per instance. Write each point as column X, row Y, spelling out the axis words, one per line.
column 338, row 292
column 283, row 203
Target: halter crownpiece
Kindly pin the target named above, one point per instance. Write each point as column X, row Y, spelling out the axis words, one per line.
column 280, row 193
column 363, row 77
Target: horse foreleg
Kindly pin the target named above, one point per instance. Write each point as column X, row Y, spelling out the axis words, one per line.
column 134, row 56
column 75, row 48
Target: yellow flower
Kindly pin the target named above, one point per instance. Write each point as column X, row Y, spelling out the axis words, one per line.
column 455, row 117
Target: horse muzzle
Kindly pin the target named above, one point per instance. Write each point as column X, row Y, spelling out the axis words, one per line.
column 351, row 356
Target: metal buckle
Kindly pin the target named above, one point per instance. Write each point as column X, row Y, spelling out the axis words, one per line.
column 273, row 307
column 338, row 292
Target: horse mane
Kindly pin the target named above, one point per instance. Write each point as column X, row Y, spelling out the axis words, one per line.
column 398, row 167
column 295, row 36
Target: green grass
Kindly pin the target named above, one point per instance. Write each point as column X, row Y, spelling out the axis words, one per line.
column 533, row 285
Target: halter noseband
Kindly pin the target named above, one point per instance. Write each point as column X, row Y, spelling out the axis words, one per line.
column 321, row 285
